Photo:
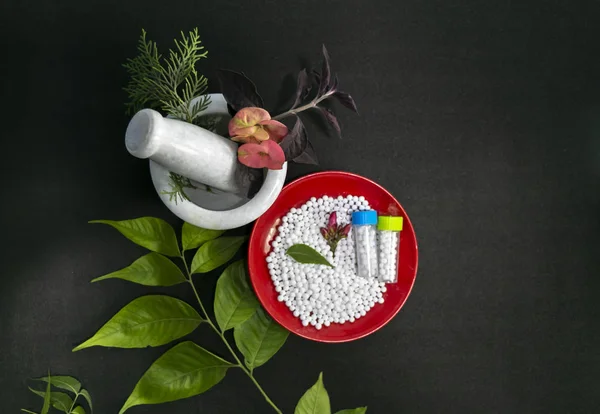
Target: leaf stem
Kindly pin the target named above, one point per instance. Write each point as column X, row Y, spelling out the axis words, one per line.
column 74, row 401
column 311, row 104
column 226, row 342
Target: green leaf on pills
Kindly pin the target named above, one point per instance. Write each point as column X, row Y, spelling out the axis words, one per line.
column 306, row 255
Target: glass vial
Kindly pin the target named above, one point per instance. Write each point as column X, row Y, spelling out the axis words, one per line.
column 364, row 227
column 389, row 229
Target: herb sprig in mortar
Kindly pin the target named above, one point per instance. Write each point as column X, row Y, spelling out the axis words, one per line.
column 171, row 85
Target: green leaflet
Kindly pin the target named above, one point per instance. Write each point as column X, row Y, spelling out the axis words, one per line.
column 307, row 255
column 215, row 253
column 359, row 410
column 183, row 371
column 47, row 396
column 259, row 338
column 192, row 236
column 58, row 400
column 63, row 382
column 85, row 394
column 153, row 269
column 70, row 384
column 315, row 400
column 149, row 232
column 146, row 321
column 234, row 300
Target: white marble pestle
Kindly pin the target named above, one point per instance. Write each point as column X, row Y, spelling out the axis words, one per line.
column 187, row 149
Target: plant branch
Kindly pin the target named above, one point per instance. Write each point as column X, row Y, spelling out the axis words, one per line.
column 225, row 341
column 74, row 401
column 311, row 104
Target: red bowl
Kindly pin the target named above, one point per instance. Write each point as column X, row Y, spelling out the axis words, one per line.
column 331, row 183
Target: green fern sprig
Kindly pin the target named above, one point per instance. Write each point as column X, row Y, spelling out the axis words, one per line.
column 170, row 84
column 178, row 185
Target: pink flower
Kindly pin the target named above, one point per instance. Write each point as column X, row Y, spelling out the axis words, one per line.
column 334, row 232
column 254, row 125
column 266, row 154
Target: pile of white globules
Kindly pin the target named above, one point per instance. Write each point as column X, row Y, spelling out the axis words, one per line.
column 317, row 294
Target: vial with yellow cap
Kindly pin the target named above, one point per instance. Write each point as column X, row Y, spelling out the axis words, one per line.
column 388, row 229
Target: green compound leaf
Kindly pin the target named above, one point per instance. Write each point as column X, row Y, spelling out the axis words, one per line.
column 152, row 233
column 63, row 382
column 47, row 396
column 147, row 321
column 183, row 371
column 234, row 300
column 359, row 410
column 85, row 394
column 315, row 400
column 153, row 269
column 58, row 400
column 216, row 253
column 192, row 236
column 259, row 338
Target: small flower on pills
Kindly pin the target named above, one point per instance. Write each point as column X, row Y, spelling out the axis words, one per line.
column 334, row 232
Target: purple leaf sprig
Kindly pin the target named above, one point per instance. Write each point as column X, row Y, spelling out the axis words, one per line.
column 240, row 92
column 296, row 145
column 334, row 232
column 328, row 86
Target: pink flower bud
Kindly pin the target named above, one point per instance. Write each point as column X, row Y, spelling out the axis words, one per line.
column 332, row 220
column 344, row 230
column 323, row 232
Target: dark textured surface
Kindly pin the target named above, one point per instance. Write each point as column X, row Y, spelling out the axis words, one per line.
column 482, row 117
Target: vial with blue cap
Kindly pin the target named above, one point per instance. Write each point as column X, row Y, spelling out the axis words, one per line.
column 364, row 227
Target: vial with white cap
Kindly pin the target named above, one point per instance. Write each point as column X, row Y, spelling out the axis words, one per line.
column 389, row 229
column 364, row 227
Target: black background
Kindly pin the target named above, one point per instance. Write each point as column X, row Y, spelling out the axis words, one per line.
column 481, row 117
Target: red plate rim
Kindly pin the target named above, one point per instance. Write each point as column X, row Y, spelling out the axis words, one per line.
column 256, row 256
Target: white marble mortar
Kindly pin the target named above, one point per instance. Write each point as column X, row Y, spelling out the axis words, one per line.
column 206, row 158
